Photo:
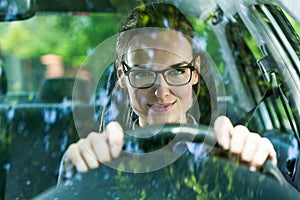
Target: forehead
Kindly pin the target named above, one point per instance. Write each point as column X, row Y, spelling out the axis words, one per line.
column 159, row 45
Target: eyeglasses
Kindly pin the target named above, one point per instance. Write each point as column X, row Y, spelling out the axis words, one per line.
column 177, row 75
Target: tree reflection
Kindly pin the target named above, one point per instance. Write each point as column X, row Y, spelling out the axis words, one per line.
column 189, row 177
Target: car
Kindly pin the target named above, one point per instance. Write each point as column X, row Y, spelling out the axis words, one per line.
column 58, row 83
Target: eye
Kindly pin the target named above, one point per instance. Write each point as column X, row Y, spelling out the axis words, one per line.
column 176, row 71
column 141, row 74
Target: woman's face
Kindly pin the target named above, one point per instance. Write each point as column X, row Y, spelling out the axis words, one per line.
column 160, row 103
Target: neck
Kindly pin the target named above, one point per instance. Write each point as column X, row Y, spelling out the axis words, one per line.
column 181, row 120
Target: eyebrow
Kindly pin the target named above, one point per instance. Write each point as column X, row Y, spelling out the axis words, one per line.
column 173, row 66
column 179, row 64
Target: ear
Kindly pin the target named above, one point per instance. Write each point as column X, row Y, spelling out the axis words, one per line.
column 196, row 73
column 121, row 76
column 198, row 64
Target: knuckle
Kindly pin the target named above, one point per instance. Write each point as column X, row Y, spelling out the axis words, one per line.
column 72, row 147
column 81, row 167
column 246, row 157
column 91, row 136
column 221, row 123
column 94, row 166
column 258, row 162
column 241, row 129
column 266, row 141
column 254, row 137
column 96, row 138
column 222, row 119
column 71, row 152
column 84, row 147
column 267, row 145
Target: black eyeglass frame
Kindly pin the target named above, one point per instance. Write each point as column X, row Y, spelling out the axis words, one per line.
column 190, row 66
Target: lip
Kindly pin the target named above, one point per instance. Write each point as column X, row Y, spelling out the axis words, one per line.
column 161, row 107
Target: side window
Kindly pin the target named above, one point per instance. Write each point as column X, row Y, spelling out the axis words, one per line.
column 289, row 27
column 252, row 61
column 282, row 31
column 245, row 53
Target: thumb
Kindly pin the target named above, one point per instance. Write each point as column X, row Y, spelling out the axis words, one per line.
column 115, row 136
column 222, row 129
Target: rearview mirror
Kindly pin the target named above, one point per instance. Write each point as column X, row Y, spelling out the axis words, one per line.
column 11, row 10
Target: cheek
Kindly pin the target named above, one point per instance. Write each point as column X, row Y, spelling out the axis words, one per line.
column 185, row 90
column 185, row 95
column 137, row 97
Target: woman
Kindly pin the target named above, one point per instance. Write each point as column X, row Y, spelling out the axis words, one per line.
column 158, row 66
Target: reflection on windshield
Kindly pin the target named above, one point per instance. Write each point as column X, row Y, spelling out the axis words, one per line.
column 41, row 134
column 50, row 46
column 44, row 57
column 187, row 178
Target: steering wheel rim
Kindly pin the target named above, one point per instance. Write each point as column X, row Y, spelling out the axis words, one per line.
column 147, row 158
column 98, row 175
column 196, row 134
column 173, row 132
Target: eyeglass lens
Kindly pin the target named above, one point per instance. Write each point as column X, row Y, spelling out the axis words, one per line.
column 146, row 78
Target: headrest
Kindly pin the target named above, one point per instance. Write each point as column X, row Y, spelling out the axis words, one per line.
column 55, row 90
column 3, row 82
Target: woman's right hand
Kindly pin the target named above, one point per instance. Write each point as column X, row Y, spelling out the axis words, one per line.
column 88, row 153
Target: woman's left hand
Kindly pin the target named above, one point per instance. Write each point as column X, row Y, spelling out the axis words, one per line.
column 250, row 147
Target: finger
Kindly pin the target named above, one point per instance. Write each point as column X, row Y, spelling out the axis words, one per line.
column 265, row 150
column 238, row 138
column 115, row 136
column 87, row 153
column 222, row 129
column 273, row 156
column 100, row 147
column 250, row 147
column 73, row 155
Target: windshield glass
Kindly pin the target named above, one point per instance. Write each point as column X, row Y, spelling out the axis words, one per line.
column 65, row 75
column 48, row 46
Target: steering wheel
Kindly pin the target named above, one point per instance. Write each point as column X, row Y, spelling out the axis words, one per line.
column 153, row 137
column 159, row 135
column 107, row 183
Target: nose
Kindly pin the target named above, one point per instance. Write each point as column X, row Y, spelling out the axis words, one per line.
column 161, row 87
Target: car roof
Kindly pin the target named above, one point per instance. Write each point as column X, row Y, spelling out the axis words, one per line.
column 200, row 8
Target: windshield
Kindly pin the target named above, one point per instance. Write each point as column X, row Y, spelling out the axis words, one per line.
column 64, row 75
column 58, row 46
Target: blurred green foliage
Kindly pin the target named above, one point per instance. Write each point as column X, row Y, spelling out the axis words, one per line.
column 188, row 177
column 71, row 37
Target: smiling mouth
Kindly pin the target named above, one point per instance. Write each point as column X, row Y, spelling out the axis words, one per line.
column 162, row 108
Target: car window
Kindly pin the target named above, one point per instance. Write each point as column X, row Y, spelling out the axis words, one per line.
column 243, row 44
